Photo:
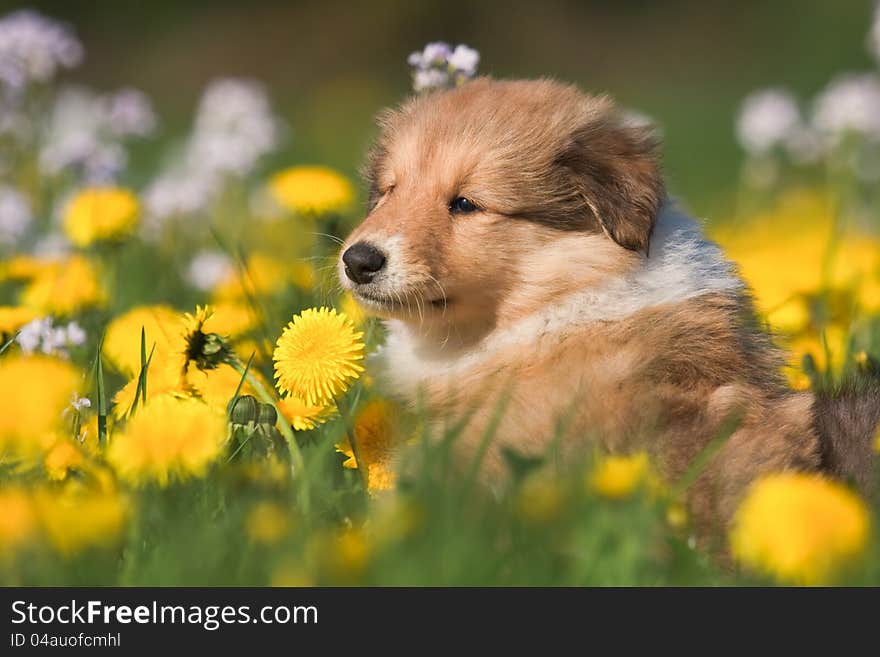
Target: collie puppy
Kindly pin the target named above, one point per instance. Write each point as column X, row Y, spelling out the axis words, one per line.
column 524, row 255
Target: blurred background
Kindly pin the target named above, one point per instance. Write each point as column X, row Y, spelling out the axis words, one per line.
column 329, row 65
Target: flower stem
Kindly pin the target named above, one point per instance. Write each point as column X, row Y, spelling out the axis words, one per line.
column 299, row 468
column 362, row 467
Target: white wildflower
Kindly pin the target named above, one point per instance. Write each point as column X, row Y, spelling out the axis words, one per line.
column 177, row 192
column 129, row 112
column 33, row 48
column 86, row 131
column 30, row 336
column 15, row 215
column 464, row 60
column 428, row 79
column 80, row 403
column 849, row 104
column 234, row 127
column 439, row 66
column 75, row 138
column 76, row 334
column 207, row 269
column 434, row 54
column 41, row 334
column 767, row 119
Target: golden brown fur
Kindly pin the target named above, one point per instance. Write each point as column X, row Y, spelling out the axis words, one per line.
column 568, row 198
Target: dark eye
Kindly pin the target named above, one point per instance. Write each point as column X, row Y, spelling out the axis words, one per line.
column 462, row 204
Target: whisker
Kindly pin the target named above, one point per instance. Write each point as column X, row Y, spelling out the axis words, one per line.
column 333, row 238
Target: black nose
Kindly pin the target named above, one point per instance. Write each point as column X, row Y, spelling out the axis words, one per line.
column 362, row 262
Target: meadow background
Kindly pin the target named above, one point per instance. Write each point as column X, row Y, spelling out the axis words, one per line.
column 229, row 96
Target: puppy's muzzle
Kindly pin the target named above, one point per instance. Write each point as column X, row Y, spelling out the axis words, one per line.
column 362, row 262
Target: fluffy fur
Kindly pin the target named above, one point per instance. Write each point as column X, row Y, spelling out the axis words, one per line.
column 577, row 295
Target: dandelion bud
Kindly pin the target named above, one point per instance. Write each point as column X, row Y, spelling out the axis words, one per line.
column 267, row 415
column 244, row 411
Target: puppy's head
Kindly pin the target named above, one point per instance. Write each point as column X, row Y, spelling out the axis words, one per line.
column 493, row 198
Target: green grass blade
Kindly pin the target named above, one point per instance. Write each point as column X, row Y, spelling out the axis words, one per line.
column 8, row 343
column 728, row 428
column 102, row 395
column 241, row 381
column 143, row 366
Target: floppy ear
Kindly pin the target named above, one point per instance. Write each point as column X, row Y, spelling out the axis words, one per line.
column 615, row 169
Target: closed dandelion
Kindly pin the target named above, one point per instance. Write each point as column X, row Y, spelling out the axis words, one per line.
column 318, row 356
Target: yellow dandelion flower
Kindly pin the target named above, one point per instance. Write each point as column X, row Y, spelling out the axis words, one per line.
column 267, row 523
column 316, row 357
column 312, row 190
column 163, row 377
column 540, row 499
column 869, row 294
column 350, row 307
column 65, row 288
column 303, row 417
column 231, row 319
column 76, row 521
column 101, row 214
column 779, row 252
column 122, row 342
column 63, row 457
column 290, row 574
column 216, row 387
column 395, row 518
column 834, row 336
column 341, row 556
column 169, row 438
column 374, row 433
column 13, row 318
column 261, row 275
column 24, row 267
column 18, row 521
column 799, row 528
column 34, row 392
column 676, row 515
column 617, row 477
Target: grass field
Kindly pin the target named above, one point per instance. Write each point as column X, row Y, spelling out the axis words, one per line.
column 143, row 438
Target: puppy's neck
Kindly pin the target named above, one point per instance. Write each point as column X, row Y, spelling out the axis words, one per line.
column 571, row 283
